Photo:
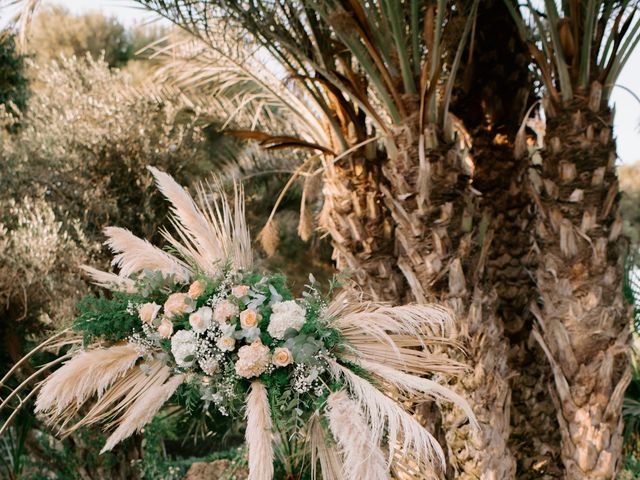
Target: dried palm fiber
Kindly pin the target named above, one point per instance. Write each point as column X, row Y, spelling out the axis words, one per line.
column 134, row 255
column 362, row 457
column 269, row 237
column 323, row 451
column 258, row 434
column 143, row 410
column 208, row 235
column 90, row 373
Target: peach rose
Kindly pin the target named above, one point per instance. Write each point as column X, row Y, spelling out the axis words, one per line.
column 249, row 318
column 224, row 311
column 281, row 357
column 240, row 291
column 196, row 289
column 178, row 303
column 226, row 344
column 165, row 329
column 148, row 312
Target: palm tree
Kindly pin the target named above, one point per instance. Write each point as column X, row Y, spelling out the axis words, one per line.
column 416, row 111
column 440, row 208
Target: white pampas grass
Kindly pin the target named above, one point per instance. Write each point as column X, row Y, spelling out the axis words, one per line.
column 323, row 451
column 133, row 255
column 362, row 457
column 396, row 336
column 258, row 433
column 209, row 236
column 87, row 374
column 415, row 387
column 110, row 281
column 143, row 411
column 385, row 416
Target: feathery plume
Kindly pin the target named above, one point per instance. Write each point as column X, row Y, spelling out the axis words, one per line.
column 269, row 237
column 143, row 411
column 109, row 280
column 89, row 373
column 362, row 458
column 134, row 255
column 258, row 433
column 416, row 386
column 386, row 416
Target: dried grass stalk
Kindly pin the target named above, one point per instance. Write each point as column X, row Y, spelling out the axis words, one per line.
column 323, row 451
column 269, row 237
column 110, row 281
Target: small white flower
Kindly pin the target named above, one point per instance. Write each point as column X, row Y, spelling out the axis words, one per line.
column 200, row 320
column 285, row 315
column 184, row 345
column 226, row 344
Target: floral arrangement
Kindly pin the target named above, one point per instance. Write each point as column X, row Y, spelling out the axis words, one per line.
column 199, row 314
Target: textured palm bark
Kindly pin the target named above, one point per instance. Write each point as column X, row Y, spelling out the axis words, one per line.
column 583, row 322
column 442, row 249
column 360, row 225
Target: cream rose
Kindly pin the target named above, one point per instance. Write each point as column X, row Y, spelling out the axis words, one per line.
column 196, row 289
column 225, row 310
column 200, row 320
column 148, row 312
column 165, row 329
column 253, row 360
column 226, row 344
column 249, row 318
column 178, row 303
column 240, row 291
column 281, row 357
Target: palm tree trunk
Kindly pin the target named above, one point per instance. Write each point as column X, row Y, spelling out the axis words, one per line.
column 443, row 248
column 360, row 226
column 582, row 319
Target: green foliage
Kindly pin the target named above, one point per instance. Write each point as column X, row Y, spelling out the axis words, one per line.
column 107, row 318
column 13, row 79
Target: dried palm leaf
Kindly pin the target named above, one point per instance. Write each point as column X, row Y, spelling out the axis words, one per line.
column 110, row 281
column 323, row 451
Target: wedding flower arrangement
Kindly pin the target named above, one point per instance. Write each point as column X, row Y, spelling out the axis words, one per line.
column 203, row 316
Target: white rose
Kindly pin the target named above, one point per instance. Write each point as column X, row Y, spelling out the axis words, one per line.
column 183, row 347
column 148, row 312
column 253, row 360
column 200, row 320
column 225, row 310
column 226, row 344
column 165, row 329
column 285, row 315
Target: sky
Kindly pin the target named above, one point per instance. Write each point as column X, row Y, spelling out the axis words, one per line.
column 627, row 119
